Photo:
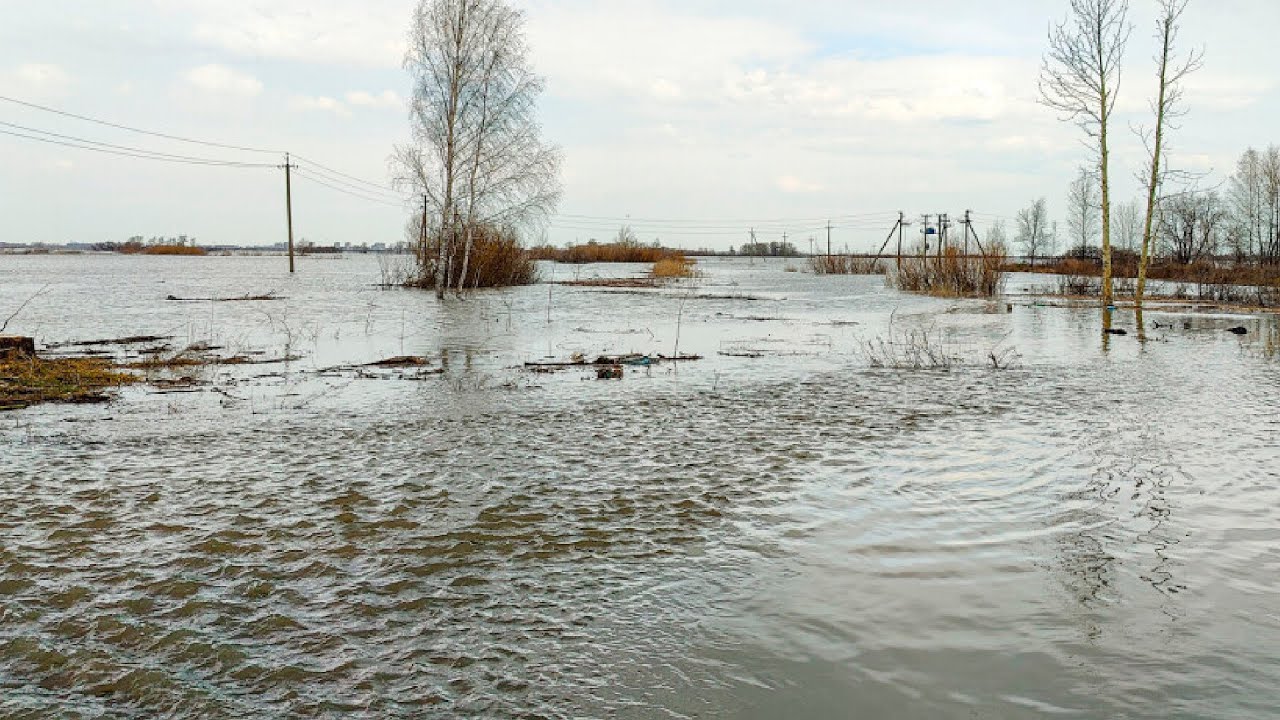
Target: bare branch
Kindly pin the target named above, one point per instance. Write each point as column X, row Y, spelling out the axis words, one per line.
column 5, row 325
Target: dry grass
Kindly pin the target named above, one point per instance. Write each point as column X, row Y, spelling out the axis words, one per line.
column 30, row 380
column 675, row 266
column 954, row 275
column 846, row 265
column 134, row 249
column 615, row 252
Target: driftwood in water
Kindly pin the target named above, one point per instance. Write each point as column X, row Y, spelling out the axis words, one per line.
column 400, row 361
column 242, row 298
column 132, row 340
column 638, row 360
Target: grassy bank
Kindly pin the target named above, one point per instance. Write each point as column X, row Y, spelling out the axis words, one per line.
column 26, row 381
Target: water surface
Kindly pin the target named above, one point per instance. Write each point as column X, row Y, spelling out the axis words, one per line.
column 1090, row 533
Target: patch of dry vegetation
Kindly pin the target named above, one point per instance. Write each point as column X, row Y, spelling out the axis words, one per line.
column 161, row 249
column 953, row 274
column 626, row 251
column 675, row 266
column 497, row 260
column 845, row 265
column 26, row 381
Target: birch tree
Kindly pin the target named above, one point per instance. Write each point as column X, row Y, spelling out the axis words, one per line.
column 1084, row 211
column 1247, row 195
column 476, row 156
column 1033, row 229
column 1170, row 74
column 1080, row 79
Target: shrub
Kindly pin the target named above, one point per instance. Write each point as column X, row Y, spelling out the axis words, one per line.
column 497, row 260
column 675, row 266
column 954, row 275
column 846, row 265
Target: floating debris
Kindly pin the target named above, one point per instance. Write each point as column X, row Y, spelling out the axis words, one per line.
column 241, row 298
column 400, row 361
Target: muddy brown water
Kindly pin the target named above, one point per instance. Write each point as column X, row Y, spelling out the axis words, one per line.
column 781, row 530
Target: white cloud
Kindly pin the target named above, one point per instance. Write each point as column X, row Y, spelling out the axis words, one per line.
column 36, row 81
column 385, row 99
column 794, row 185
column 222, row 80
column 368, row 34
column 319, row 104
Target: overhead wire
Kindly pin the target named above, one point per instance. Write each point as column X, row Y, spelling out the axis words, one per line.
column 312, row 178
column 353, row 178
column 145, row 155
column 152, row 133
column 127, row 148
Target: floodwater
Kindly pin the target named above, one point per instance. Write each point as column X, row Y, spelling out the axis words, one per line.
column 781, row 530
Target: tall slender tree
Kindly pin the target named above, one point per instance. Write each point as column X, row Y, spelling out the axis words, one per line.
column 1080, row 79
column 476, row 156
column 1171, row 72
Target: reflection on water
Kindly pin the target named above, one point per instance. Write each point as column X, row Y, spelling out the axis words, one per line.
column 780, row 532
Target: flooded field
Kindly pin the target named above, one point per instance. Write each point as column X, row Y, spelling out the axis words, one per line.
column 786, row 527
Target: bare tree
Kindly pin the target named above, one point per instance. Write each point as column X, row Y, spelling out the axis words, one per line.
column 1170, row 75
column 1033, row 229
column 476, row 154
column 998, row 234
column 1127, row 223
column 1269, row 254
column 1081, row 80
column 626, row 236
column 1191, row 227
column 1083, row 211
column 1247, row 196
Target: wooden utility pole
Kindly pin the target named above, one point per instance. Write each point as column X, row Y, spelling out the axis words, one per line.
column 901, row 223
column 828, row 238
column 288, row 205
column 924, row 231
column 943, row 222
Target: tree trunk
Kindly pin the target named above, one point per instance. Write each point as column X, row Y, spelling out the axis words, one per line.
column 466, row 258
column 1153, row 182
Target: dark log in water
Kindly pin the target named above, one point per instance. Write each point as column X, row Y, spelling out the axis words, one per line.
column 17, row 345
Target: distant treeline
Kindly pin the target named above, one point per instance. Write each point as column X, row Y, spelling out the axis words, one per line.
column 136, row 245
column 1237, row 225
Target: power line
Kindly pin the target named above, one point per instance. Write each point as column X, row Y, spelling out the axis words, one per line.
column 313, row 178
column 379, row 186
column 160, row 158
column 385, row 194
column 720, row 222
column 137, row 130
column 139, row 151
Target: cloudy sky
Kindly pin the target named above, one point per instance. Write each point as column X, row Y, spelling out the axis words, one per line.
column 696, row 120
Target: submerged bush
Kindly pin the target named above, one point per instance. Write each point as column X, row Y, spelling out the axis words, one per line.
column 846, row 265
column 497, row 260
column 676, row 266
column 953, row 274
